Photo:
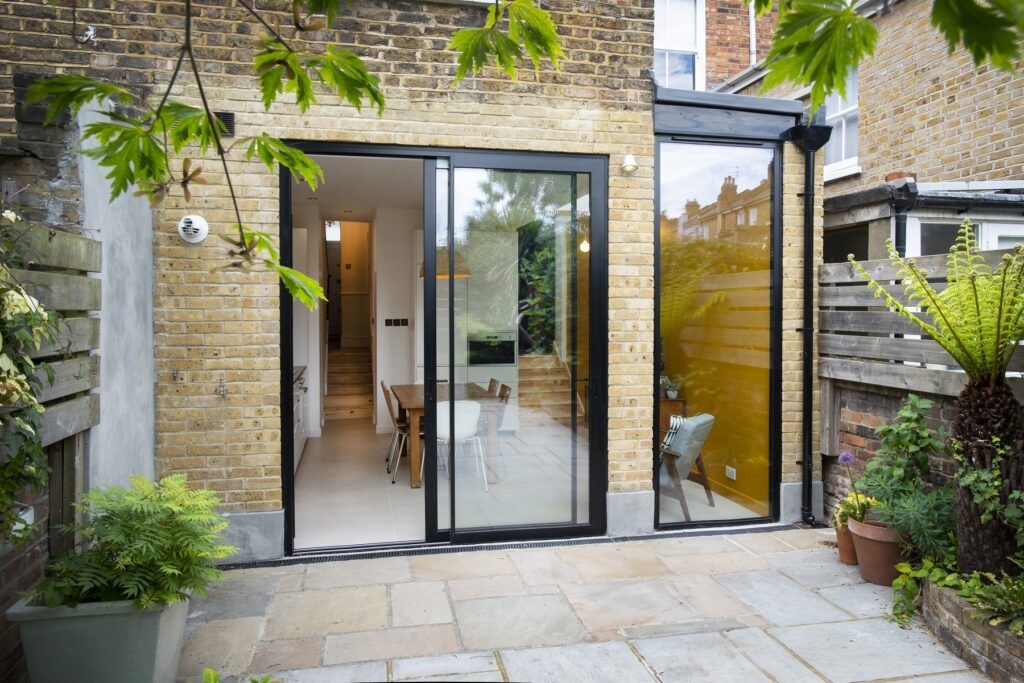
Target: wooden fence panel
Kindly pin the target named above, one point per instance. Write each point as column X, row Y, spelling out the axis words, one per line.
column 862, row 341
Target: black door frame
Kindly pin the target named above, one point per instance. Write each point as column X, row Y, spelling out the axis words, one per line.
column 775, row 323
column 597, row 167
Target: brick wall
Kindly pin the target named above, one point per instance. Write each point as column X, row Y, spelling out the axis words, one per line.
column 928, row 111
column 862, row 409
column 213, row 326
column 728, row 38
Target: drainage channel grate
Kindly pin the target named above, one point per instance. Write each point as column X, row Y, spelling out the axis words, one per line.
column 317, row 556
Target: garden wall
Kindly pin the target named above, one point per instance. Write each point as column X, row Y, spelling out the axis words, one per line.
column 992, row 649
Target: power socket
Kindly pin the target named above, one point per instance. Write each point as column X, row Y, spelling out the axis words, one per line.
column 730, row 473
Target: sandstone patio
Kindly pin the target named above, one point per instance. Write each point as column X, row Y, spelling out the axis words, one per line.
column 771, row 605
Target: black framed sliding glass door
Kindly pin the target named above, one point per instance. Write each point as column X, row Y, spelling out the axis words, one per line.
column 515, row 362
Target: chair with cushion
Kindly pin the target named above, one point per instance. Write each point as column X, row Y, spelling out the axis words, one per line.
column 680, row 451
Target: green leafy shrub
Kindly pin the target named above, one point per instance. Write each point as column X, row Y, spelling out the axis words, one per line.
column 998, row 601
column 898, row 477
column 151, row 543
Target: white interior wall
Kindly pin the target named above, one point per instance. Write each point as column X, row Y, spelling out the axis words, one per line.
column 307, row 325
column 393, row 240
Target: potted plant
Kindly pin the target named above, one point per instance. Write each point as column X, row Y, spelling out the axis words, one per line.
column 909, row 513
column 671, row 387
column 855, row 506
column 144, row 550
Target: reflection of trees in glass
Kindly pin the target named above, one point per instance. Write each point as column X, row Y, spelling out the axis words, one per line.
column 523, row 204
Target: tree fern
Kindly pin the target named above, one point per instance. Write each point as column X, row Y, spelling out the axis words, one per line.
column 978, row 318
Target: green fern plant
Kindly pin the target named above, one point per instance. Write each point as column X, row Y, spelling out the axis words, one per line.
column 979, row 319
column 150, row 543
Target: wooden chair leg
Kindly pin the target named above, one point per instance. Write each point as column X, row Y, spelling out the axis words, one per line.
column 673, row 472
column 704, row 480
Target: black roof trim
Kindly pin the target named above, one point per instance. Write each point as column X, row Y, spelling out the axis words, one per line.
column 717, row 100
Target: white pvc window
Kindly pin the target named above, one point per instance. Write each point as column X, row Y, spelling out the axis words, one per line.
column 843, row 115
column 679, row 44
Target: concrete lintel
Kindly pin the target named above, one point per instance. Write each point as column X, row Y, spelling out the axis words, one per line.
column 257, row 535
column 630, row 513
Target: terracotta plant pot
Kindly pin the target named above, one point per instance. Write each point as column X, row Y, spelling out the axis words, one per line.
column 878, row 551
column 844, row 540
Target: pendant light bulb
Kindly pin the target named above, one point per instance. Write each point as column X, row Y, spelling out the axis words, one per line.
column 584, row 245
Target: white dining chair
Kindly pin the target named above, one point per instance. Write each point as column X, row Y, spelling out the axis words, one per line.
column 467, row 419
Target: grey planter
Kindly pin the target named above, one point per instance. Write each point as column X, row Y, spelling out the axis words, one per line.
column 101, row 641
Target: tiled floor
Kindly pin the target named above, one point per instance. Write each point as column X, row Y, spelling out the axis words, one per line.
column 344, row 496
column 773, row 605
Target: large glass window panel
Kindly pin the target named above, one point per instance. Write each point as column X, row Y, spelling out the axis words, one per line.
column 444, row 348
column 516, row 436
column 714, row 331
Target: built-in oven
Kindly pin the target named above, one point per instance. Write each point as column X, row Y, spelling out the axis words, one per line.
column 492, row 348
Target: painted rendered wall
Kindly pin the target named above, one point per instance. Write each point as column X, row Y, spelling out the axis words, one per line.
column 122, row 444
column 393, row 236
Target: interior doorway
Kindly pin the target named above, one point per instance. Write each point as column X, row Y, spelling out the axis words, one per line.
column 356, row 232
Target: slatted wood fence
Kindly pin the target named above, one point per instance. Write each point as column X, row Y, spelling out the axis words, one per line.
column 860, row 340
column 57, row 273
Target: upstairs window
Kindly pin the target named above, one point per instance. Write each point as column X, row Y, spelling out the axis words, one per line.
column 679, row 44
column 842, row 114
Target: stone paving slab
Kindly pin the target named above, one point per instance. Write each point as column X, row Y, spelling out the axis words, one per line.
column 611, row 662
column 698, row 657
column 780, row 599
column 867, row 649
column 768, row 605
column 479, row 665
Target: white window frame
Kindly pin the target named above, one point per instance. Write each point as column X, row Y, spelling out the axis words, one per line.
column 699, row 57
column 845, row 167
column 991, row 232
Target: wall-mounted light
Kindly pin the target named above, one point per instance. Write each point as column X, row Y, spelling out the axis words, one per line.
column 584, row 245
column 629, row 165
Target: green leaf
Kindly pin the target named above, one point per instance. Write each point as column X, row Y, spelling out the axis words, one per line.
column 71, row 91
column 989, row 32
column 304, row 288
column 259, row 242
column 816, row 43
column 129, row 148
column 347, row 75
column 188, row 125
column 530, row 28
column 278, row 68
column 271, row 150
column 210, row 676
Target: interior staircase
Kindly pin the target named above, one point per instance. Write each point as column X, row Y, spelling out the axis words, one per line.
column 544, row 389
column 349, row 384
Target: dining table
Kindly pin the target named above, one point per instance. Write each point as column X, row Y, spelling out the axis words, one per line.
column 412, row 401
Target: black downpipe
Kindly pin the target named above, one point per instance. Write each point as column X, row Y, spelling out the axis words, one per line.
column 808, row 138
column 807, row 399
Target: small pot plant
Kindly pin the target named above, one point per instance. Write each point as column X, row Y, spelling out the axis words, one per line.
column 114, row 609
column 671, row 387
column 910, row 515
column 855, row 506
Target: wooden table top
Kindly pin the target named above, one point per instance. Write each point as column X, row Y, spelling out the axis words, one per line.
column 410, row 396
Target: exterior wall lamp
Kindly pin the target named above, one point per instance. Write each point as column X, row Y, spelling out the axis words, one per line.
column 629, row 165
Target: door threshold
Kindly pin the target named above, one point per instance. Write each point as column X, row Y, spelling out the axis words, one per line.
column 342, row 554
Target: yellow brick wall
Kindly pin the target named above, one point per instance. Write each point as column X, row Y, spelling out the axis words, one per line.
column 213, row 325
column 925, row 110
column 217, row 332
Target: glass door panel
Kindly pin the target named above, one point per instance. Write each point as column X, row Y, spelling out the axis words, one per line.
column 513, row 349
column 715, row 294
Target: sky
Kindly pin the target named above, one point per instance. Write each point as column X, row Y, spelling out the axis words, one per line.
column 692, row 171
